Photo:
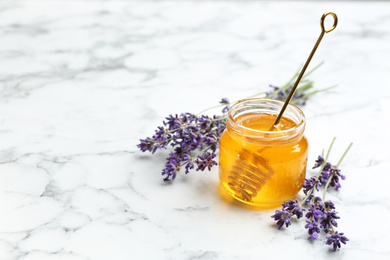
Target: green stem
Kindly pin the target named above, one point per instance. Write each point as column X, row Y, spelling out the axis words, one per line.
column 304, row 87
column 204, row 110
column 325, row 159
column 284, row 87
column 320, row 90
column 342, row 157
column 320, row 171
column 196, row 156
column 312, row 70
column 332, row 174
column 326, row 186
column 330, row 148
column 307, row 196
column 292, row 80
column 306, row 95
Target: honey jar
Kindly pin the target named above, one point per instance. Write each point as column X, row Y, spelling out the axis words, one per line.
column 258, row 164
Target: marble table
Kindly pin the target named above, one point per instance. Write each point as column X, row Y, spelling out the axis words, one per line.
column 82, row 81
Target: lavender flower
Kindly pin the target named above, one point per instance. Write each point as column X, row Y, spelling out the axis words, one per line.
column 329, row 205
column 310, row 184
column 205, row 161
column 315, row 211
column 276, row 93
column 226, row 102
column 174, row 122
column 289, row 209
column 171, row 166
column 321, row 215
column 325, row 173
column 283, row 93
column 293, row 207
column 282, row 217
column 335, row 238
column 308, row 198
column 335, row 178
column 313, row 229
column 320, row 160
column 148, row 144
column 332, row 175
column 195, row 140
column 328, row 219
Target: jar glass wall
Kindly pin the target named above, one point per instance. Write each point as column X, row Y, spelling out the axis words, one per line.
column 258, row 166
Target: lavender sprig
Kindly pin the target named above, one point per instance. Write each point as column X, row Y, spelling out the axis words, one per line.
column 194, row 138
column 321, row 214
column 289, row 209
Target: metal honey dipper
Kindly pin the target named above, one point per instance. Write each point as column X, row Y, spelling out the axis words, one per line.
column 251, row 171
column 323, row 31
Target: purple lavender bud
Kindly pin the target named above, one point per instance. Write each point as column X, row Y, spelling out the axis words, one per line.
column 148, row 144
column 189, row 165
column 170, row 170
column 219, row 126
column 205, row 122
column 298, row 212
column 282, row 217
column 271, row 92
column 290, row 205
column 282, row 95
column 328, row 219
column 329, row 205
column 225, row 109
column 315, row 210
column 161, row 137
column 313, row 229
column 296, row 96
column 336, row 176
column 335, row 238
column 319, row 161
column 326, row 172
column 224, row 101
column 205, row 161
column 173, row 122
column 308, row 200
column 309, row 184
column 293, row 207
column 318, row 202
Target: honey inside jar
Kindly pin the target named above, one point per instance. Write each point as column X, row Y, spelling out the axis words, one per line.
column 262, row 167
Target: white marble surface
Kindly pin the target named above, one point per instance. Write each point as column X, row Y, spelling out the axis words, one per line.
column 82, row 81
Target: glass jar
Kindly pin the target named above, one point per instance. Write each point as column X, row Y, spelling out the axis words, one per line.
column 261, row 167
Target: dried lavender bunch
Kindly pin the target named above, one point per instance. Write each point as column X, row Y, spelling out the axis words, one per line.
column 195, row 138
column 301, row 95
column 321, row 214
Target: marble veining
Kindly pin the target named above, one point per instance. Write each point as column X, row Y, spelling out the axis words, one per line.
column 82, row 81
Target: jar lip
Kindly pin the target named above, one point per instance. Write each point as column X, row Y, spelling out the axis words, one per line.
column 274, row 105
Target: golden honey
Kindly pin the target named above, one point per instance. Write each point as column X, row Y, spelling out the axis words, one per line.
column 259, row 165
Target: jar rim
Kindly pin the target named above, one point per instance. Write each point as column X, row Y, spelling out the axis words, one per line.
column 274, row 106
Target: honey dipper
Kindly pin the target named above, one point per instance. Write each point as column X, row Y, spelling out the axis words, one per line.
column 251, row 173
